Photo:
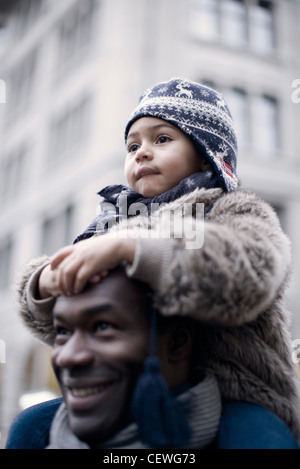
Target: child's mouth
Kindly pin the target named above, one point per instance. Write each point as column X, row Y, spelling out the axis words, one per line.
column 145, row 171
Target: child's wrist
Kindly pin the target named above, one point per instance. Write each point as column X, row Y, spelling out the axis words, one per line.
column 127, row 249
column 43, row 283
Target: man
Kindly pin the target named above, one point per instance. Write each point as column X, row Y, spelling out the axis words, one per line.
column 103, row 339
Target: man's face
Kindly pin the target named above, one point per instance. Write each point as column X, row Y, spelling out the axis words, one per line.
column 102, row 341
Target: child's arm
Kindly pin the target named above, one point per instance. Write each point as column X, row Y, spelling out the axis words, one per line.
column 242, row 266
column 35, row 311
column 38, row 284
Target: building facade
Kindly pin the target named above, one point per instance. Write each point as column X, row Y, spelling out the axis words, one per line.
column 70, row 74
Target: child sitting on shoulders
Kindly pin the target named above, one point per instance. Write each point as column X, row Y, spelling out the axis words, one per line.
column 181, row 152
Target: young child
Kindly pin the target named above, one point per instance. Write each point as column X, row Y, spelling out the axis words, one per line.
column 181, row 151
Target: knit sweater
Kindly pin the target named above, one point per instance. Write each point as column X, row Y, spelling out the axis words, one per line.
column 201, row 405
column 234, row 285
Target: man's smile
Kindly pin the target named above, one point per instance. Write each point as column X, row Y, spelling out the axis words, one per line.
column 85, row 398
column 84, row 392
column 87, row 391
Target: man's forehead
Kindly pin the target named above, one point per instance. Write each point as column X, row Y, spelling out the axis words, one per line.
column 83, row 303
column 113, row 292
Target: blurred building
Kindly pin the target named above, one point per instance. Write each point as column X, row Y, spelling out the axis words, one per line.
column 73, row 71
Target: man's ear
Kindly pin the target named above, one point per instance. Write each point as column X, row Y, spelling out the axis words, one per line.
column 179, row 342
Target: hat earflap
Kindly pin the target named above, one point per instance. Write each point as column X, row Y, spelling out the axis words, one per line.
column 159, row 416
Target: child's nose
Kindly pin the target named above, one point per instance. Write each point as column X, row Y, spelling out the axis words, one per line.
column 144, row 153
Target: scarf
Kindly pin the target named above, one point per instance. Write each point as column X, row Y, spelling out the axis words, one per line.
column 119, row 199
column 201, row 405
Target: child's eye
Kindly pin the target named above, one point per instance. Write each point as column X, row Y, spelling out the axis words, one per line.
column 163, row 139
column 133, row 147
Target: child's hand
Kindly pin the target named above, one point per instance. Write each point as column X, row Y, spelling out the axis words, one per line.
column 48, row 283
column 89, row 261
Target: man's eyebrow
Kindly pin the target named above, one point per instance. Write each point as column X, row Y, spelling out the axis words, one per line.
column 91, row 310
column 154, row 127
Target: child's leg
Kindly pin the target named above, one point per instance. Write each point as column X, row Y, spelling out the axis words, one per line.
column 249, row 426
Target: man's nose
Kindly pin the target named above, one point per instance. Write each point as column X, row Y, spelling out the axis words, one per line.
column 75, row 352
column 144, row 152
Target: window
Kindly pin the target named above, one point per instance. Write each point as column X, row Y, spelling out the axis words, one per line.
column 203, row 19
column 6, row 248
column 13, row 172
column 20, row 84
column 237, row 23
column 76, row 30
column 261, row 27
column 27, row 12
column 233, row 22
column 70, row 130
column 3, row 33
column 2, row 91
column 266, row 126
column 256, row 119
column 237, row 100
column 56, row 231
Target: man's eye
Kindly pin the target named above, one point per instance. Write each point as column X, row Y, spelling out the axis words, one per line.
column 102, row 326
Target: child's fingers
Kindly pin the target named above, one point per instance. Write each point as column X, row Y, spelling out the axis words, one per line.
column 95, row 279
column 82, row 277
column 76, row 271
column 98, row 277
column 67, row 273
column 60, row 255
column 48, row 283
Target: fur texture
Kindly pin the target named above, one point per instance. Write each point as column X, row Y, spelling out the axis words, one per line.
column 234, row 285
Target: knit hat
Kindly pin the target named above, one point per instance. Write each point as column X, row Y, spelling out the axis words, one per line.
column 203, row 115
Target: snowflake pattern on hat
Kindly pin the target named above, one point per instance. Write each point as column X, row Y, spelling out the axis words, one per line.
column 202, row 114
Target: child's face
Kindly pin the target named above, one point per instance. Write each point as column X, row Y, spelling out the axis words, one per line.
column 159, row 156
